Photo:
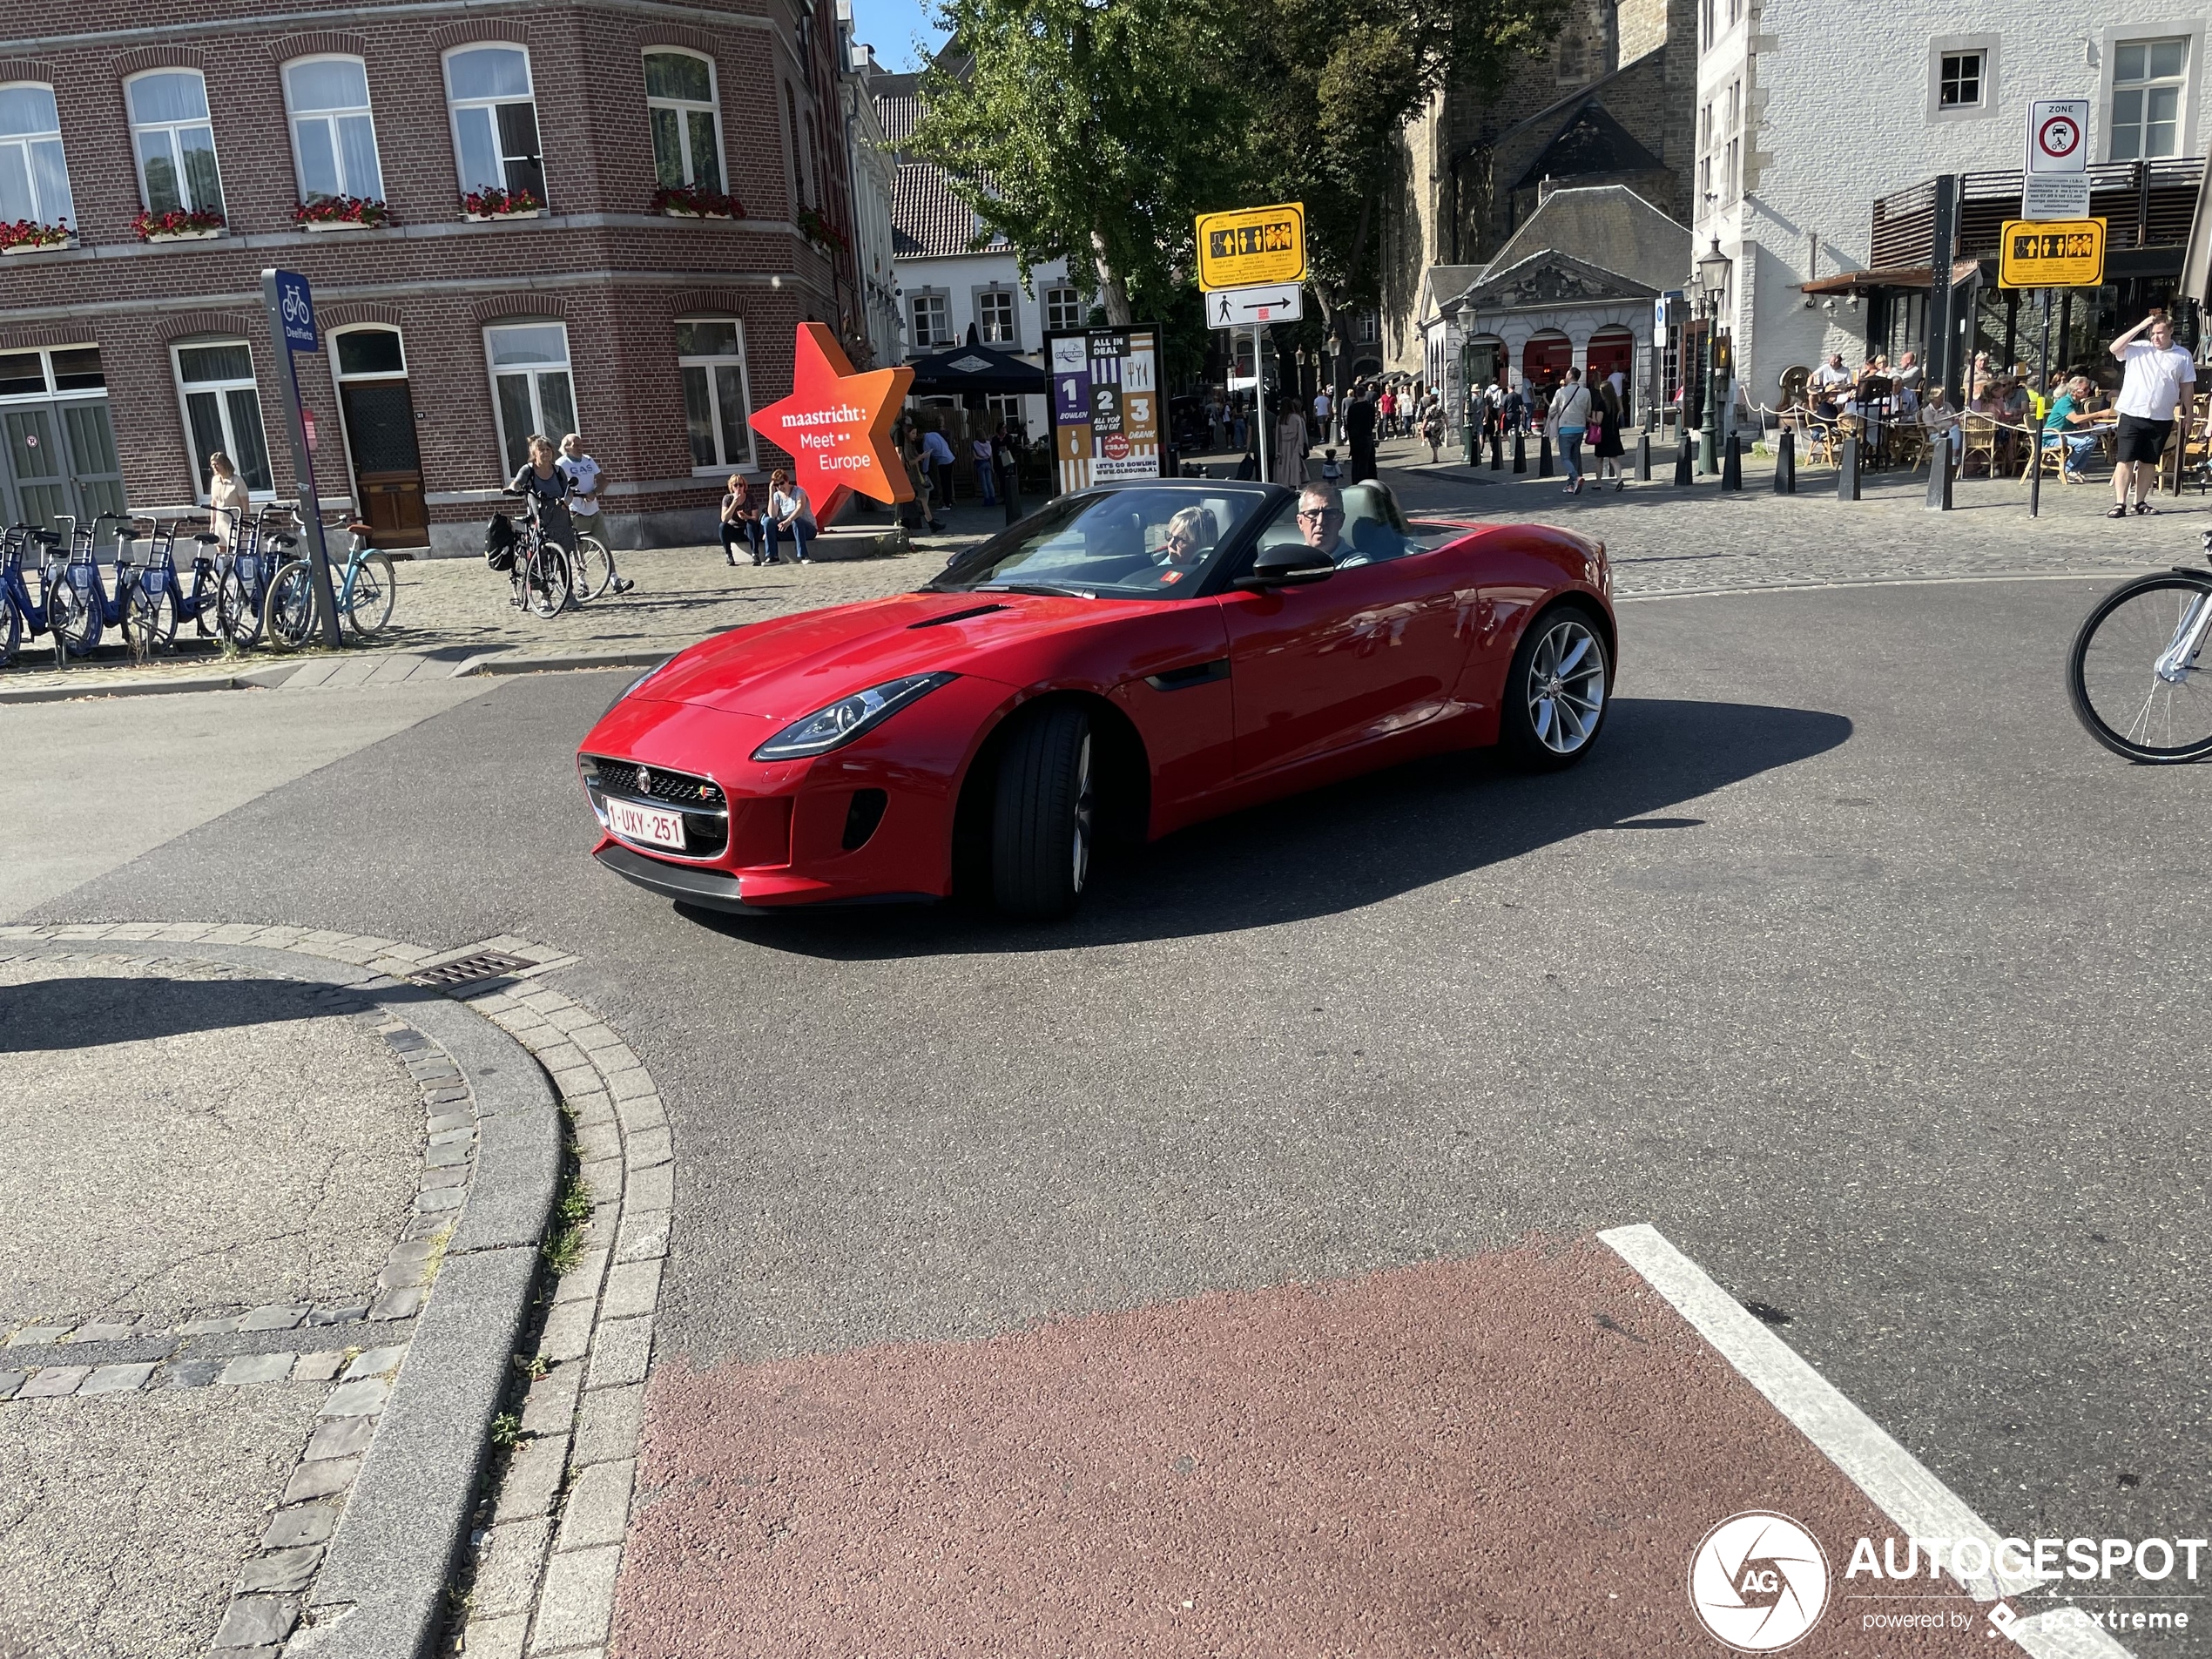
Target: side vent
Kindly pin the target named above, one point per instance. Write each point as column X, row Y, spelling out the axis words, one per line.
column 955, row 615
column 862, row 816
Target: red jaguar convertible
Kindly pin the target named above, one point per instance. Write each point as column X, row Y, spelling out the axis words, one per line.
column 1129, row 659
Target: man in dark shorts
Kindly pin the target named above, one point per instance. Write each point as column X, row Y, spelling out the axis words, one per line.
column 2160, row 378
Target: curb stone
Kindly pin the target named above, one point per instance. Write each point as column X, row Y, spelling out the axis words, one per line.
column 411, row 1456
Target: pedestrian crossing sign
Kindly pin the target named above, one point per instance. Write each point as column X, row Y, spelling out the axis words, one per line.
column 2050, row 253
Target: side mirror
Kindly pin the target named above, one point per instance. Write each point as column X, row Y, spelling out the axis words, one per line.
column 1293, row 566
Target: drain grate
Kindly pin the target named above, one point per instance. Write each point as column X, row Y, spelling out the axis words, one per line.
column 485, row 964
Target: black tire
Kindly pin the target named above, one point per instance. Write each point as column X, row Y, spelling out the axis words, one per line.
column 370, row 612
column 237, row 618
column 289, row 608
column 2112, row 671
column 1557, row 690
column 11, row 632
column 68, row 616
column 149, row 622
column 1043, row 815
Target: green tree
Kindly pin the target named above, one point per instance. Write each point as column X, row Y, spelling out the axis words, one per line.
column 1093, row 132
column 1341, row 79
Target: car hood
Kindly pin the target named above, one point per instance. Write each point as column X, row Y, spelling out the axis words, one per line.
column 790, row 666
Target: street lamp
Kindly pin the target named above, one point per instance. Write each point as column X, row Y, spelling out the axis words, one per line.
column 1712, row 282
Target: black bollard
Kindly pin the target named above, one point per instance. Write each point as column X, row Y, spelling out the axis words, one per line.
column 1785, row 463
column 1847, row 470
column 1521, row 452
column 1544, row 453
column 1732, row 463
column 1941, row 471
column 1013, row 495
column 1682, row 461
column 1643, row 457
column 1497, row 451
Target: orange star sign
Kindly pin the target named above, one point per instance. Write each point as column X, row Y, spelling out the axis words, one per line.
column 836, row 425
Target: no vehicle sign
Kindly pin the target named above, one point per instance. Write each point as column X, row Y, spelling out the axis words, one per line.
column 2058, row 135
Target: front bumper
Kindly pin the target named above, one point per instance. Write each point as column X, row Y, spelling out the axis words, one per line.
column 713, row 890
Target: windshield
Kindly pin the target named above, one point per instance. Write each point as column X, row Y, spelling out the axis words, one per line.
column 1120, row 543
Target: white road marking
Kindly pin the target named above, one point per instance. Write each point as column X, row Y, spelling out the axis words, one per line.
column 1900, row 1484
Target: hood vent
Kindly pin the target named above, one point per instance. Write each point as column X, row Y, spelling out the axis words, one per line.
column 955, row 616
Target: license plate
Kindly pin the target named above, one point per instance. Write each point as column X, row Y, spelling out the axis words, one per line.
column 637, row 823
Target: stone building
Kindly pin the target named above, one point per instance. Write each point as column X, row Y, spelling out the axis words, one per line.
column 510, row 215
column 1611, row 103
column 1830, row 233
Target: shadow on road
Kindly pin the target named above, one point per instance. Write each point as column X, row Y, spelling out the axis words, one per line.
column 90, row 1011
column 1351, row 845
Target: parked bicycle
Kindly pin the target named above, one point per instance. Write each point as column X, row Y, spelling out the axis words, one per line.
column 168, row 603
column 540, row 570
column 80, row 609
column 364, row 588
column 2133, row 673
column 21, row 616
column 257, row 551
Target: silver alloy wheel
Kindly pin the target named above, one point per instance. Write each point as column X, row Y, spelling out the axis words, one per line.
column 1083, row 807
column 1566, row 686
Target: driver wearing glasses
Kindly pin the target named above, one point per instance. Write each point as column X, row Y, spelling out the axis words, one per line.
column 1320, row 520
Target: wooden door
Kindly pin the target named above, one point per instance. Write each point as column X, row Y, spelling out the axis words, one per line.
column 387, row 468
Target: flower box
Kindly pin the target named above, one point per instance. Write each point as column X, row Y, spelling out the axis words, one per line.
column 341, row 213
column 178, row 224
column 486, row 219
column 28, row 236
column 480, row 205
column 181, row 236
column 695, row 201
column 334, row 224
column 40, row 247
column 687, row 212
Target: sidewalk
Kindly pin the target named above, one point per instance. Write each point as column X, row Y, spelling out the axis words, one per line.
column 455, row 615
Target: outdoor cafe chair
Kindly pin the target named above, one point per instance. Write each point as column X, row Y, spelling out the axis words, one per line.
column 1979, row 437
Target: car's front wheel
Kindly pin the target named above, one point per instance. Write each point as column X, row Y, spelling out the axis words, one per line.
column 1557, row 689
column 1043, row 815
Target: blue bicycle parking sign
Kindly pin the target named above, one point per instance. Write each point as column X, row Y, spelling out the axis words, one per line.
column 297, row 307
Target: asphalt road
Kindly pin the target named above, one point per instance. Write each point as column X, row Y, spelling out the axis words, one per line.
column 1849, row 963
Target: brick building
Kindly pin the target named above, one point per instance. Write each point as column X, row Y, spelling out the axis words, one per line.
column 449, row 335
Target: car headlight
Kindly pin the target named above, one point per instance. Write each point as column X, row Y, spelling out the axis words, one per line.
column 847, row 718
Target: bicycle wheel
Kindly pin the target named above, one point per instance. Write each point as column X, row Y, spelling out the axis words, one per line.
column 549, row 586
column 595, row 568
column 289, row 608
column 11, row 632
column 71, row 619
column 2127, row 688
column 149, row 622
column 236, row 616
column 369, row 606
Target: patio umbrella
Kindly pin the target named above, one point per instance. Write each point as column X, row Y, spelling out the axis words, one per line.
column 975, row 368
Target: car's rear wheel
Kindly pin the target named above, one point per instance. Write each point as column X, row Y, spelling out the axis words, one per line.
column 1557, row 689
column 1043, row 815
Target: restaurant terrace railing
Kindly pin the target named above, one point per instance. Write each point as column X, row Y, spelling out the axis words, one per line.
column 2146, row 204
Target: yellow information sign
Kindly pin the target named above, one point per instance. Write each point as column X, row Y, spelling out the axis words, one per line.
column 1251, row 245
column 2050, row 253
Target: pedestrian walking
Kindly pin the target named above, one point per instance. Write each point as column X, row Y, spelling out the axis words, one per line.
column 540, row 476
column 1322, row 407
column 741, row 521
column 1607, row 415
column 980, row 451
column 791, row 514
column 938, row 458
column 1514, row 408
column 582, row 473
column 1360, row 432
column 1568, row 421
column 1331, row 469
column 2158, row 378
column 1290, row 447
column 227, row 501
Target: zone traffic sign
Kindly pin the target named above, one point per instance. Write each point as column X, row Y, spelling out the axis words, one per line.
column 1250, row 246
column 2056, row 183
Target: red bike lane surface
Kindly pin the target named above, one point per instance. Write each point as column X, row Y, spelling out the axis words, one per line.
column 1511, row 1454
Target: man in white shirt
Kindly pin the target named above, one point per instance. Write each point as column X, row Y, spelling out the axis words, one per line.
column 583, row 503
column 1828, row 380
column 1322, row 404
column 2159, row 377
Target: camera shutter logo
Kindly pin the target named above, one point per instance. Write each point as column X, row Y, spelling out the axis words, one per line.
column 1759, row 1583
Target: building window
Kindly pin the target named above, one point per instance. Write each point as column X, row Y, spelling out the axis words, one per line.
column 681, row 107
column 368, row 351
column 802, row 192
column 39, row 374
column 34, row 180
column 334, row 139
column 1063, row 310
column 2147, row 78
column 718, row 402
column 1370, row 327
column 174, row 142
column 994, row 318
column 931, row 319
column 223, row 411
column 1958, row 81
column 1731, row 180
column 1005, row 407
column 530, row 388
column 495, row 121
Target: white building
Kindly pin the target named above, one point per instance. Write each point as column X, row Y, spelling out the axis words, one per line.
column 1809, row 115
column 873, row 173
column 947, row 286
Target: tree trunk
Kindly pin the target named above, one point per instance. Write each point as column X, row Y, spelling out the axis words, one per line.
column 1113, row 291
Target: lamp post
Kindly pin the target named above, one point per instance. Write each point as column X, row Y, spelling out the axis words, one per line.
column 1712, row 282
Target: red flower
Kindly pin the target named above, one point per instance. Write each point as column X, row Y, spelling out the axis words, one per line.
column 175, row 221
column 696, row 198
column 493, row 203
column 26, row 232
column 348, row 209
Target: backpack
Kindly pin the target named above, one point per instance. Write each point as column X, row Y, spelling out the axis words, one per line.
column 499, row 543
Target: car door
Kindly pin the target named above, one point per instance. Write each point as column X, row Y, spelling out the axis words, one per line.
column 1374, row 652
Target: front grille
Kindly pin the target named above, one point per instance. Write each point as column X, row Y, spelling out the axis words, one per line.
column 677, row 788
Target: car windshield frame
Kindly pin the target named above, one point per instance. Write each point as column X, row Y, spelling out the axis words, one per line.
column 1046, row 551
